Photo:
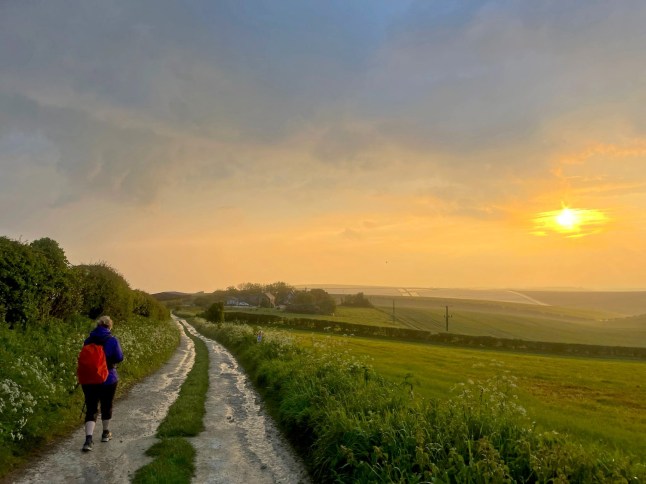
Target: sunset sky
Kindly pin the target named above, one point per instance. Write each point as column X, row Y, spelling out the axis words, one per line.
column 194, row 145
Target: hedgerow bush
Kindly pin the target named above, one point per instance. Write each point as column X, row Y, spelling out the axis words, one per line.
column 351, row 425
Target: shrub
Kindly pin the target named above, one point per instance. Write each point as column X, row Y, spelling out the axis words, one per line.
column 215, row 313
column 104, row 291
column 316, row 301
column 357, row 300
column 146, row 305
column 22, row 273
column 36, row 282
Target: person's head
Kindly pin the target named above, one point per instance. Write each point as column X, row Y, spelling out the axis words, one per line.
column 104, row 321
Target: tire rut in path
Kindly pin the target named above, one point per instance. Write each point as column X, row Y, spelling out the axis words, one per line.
column 135, row 421
column 240, row 443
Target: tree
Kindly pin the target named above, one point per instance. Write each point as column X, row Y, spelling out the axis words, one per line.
column 37, row 283
column 316, row 301
column 146, row 305
column 22, row 275
column 104, row 291
column 60, row 286
column 215, row 313
column 280, row 290
column 357, row 300
column 325, row 302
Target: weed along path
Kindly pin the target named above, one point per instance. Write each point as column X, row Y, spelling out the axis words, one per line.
column 240, row 443
column 136, row 418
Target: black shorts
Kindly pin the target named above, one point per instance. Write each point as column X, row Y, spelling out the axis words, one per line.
column 95, row 394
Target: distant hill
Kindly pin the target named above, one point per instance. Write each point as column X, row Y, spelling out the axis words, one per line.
column 617, row 303
column 627, row 303
column 168, row 295
column 498, row 295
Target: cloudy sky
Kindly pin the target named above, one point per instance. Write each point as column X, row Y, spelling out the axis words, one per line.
column 198, row 144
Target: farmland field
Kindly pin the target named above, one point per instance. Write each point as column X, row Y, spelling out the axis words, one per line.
column 521, row 321
column 559, row 393
column 369, row 316
column 626, row 303
column 491, row 318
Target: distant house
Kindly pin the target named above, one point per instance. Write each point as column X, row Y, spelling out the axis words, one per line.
column 265, row 300
column 270, row 300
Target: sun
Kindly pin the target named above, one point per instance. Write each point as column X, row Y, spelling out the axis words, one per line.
column 568, row 219
column 570, row 222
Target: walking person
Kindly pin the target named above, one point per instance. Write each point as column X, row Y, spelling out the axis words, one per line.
column 97, row 374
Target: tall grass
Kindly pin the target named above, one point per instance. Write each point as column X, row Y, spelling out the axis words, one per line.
column 39, row 398
column 561, row 393
column 352, row 425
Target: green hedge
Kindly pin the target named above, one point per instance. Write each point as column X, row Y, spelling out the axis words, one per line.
column 438, row 338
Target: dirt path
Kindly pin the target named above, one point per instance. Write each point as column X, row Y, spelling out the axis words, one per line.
column 135, row 421
column 240, row 444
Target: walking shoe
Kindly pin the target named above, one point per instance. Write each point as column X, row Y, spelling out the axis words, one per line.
column 106, row 436
column 87, row 446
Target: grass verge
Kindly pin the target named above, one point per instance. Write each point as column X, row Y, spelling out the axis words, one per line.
column 174, row 462
column 560, row 393
column 174, row 456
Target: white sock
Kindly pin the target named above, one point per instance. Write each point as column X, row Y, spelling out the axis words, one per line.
column 106, row 425
column 89, row 428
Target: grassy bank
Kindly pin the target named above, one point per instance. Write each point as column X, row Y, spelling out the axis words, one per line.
column 561, row 393
column 353, row 424
column 39, row 400
column 175, row 456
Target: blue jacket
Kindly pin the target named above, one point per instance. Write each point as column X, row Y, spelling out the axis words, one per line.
column 113, row 352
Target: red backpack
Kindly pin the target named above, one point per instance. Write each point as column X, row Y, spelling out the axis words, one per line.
column 92, row 366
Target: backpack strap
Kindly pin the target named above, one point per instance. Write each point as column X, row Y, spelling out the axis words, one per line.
column 99, row 340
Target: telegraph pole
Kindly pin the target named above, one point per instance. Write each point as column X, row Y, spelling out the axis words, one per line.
column 393, row 311
column 446, row 318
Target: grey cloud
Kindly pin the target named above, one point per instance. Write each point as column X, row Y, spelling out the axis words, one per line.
column 475, row 77
column 254, row 72
column 463, row 91
column 95, row 157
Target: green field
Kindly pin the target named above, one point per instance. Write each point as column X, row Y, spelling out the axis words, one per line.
column 624, row 303
column 368, row 316
column 490, row 318
column 516, row 321
column 598, row 401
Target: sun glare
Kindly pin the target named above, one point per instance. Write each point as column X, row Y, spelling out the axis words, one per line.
column 569, row 222
column 568, row 219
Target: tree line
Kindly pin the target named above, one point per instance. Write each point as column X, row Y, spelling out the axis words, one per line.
column 38, row 284
column 276, row 294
